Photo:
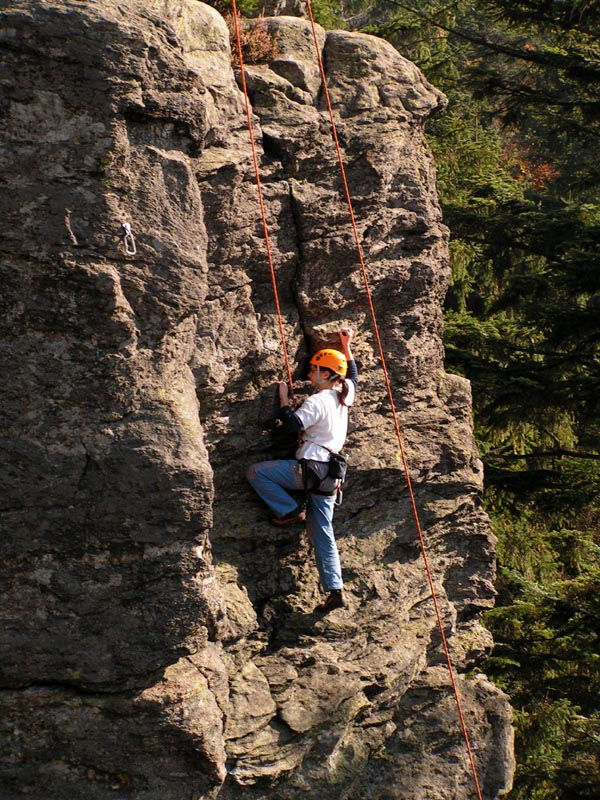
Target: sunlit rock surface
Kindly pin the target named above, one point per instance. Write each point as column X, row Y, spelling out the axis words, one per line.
column 158, row 636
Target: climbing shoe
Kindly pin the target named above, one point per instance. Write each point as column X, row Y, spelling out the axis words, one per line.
column 293, row 517
column 335, row 599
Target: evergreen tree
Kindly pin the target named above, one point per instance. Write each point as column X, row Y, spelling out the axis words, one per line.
column 518, row 175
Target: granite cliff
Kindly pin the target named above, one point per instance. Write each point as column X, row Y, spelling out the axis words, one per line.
column 158, row 636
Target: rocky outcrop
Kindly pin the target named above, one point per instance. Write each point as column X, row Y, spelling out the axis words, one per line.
column 159, row 641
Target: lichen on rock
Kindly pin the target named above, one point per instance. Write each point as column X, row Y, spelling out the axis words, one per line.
column 159, row 635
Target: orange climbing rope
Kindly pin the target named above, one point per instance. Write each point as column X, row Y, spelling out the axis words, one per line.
column 391, row 399
column 260, row 199
column 377, row 337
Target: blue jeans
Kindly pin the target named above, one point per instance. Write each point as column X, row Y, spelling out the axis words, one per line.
column 270, row 480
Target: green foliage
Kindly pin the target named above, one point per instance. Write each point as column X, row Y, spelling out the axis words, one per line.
column 328, row 14
column 246, row 8
column 519, row 173
column 547, row 655
column 560, row 748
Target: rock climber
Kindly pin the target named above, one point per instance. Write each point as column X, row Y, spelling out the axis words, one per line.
column 322, row 421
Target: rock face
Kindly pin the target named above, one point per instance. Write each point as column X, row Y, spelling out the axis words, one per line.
column 158, row 636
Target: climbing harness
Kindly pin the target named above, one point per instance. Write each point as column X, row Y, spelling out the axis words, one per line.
column 382, row 359
column 128, row 239
column 325, row 478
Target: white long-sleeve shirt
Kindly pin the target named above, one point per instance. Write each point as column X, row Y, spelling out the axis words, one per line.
column 325, row 423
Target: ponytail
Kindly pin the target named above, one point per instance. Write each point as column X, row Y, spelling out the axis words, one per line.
column 345, row 389
column 336, row 378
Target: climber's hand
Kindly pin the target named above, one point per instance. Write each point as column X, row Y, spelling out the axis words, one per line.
column 346, row 335
column 284, row 394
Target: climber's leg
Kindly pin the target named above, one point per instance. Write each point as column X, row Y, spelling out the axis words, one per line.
column 271, row 479
column 320, row 529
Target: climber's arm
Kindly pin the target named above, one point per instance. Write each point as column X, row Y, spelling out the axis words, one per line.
column 352, row 372
column 291, row 423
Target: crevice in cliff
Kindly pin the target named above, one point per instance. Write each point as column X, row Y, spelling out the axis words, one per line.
column 72, row 688
column 146, row 128
column 86, row 467
column 224, row 292
column 320, row 101
column 299, row 263
column 273, row 151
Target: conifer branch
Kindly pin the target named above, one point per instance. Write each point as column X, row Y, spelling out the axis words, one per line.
column 578, row 69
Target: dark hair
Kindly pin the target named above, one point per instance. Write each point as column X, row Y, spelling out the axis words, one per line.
column 345, row 386
column 336, row 378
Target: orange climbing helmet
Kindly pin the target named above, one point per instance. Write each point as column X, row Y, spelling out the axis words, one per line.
column 332, row 360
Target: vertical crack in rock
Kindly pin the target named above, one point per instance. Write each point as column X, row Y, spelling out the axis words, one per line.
column 143, row 658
